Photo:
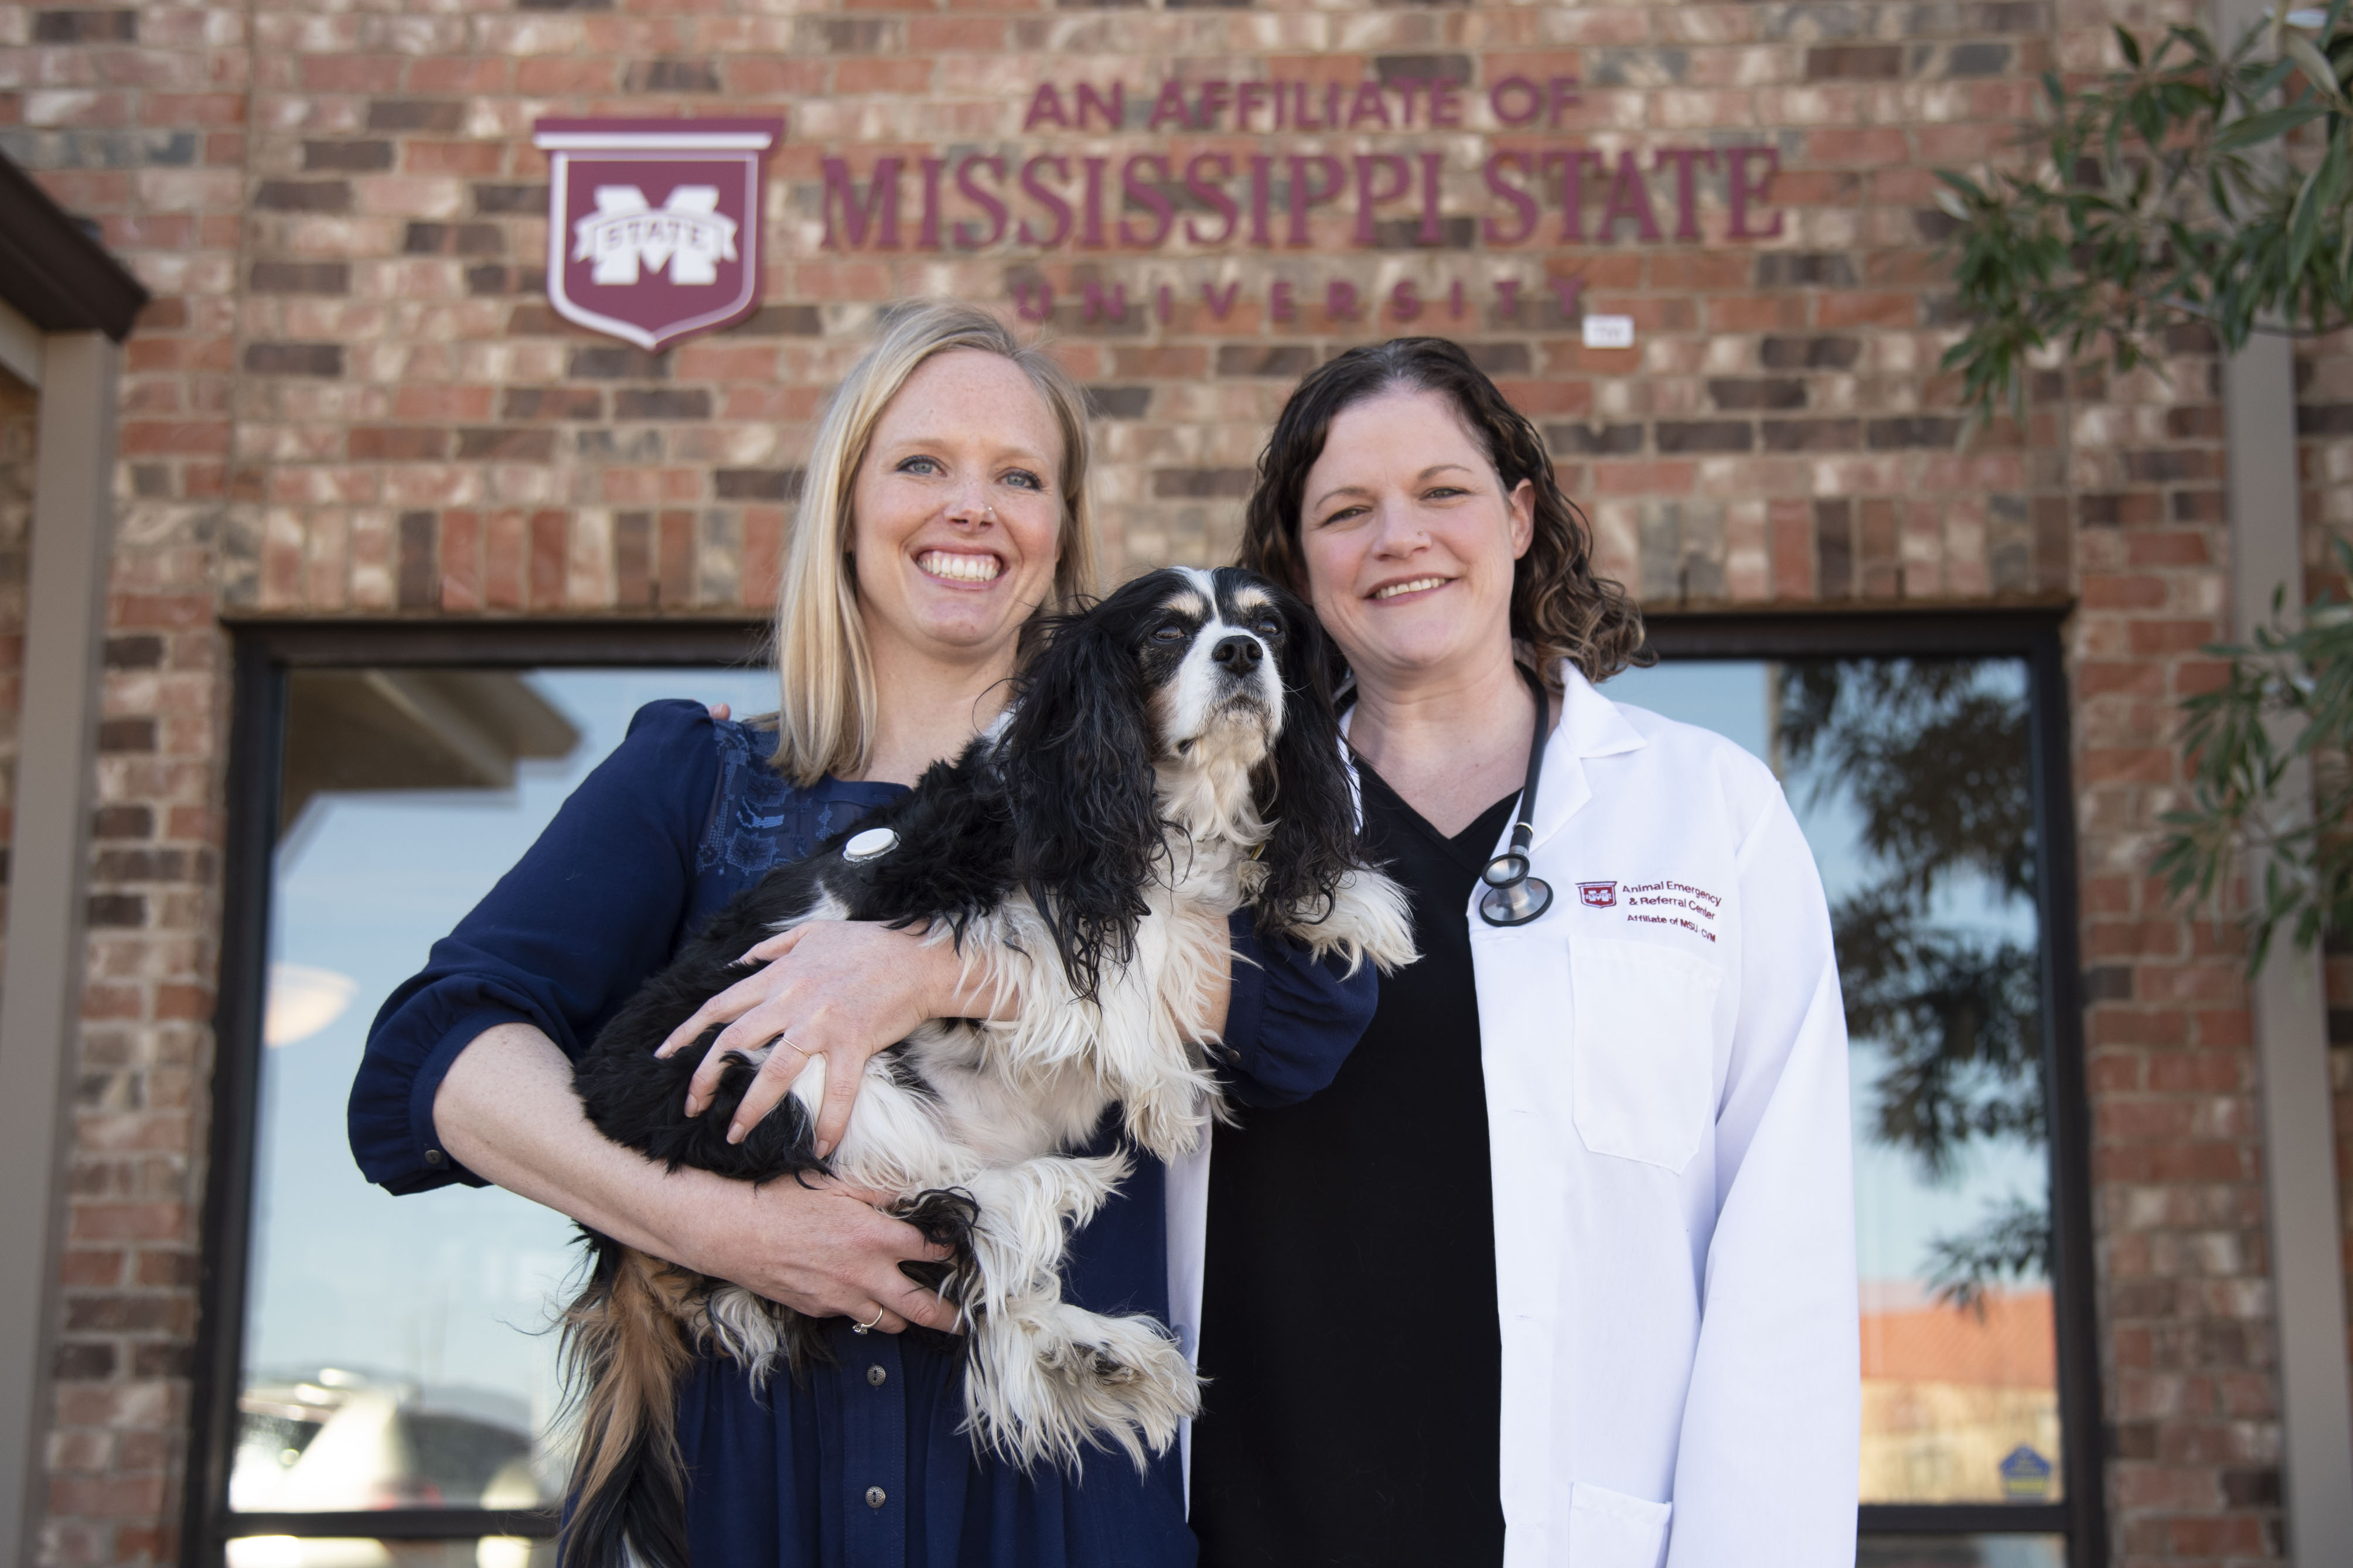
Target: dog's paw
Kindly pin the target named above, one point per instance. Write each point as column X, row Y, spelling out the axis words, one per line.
column 1167, row 1123
column 1139, row 1366
column 1048, row 1381
column 1367, row 917
column 1139, row 1390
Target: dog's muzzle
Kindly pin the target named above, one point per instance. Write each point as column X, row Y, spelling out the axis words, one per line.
column 1237, row 656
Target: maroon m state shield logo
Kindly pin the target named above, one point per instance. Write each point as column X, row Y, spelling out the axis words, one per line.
column 653, row 225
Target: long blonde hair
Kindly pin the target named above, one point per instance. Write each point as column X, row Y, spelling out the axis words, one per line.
column 825, row 674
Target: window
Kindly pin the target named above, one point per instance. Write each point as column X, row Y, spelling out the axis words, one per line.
column 1922, row 756
column 384, row 1386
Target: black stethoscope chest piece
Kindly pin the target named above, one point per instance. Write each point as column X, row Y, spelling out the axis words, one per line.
column 1514, row 897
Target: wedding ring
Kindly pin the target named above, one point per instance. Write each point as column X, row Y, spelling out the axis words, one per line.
column 864, row 1327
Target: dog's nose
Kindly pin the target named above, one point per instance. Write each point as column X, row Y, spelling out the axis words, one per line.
column 1238, row 654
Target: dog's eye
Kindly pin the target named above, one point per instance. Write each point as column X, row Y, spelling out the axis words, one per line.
column 1267, row 626
column 1169, row 634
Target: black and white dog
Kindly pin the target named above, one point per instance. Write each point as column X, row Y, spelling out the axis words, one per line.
column 1171, row 756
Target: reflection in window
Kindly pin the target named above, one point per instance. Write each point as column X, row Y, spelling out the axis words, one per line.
column 331, row 1551
column 345, row 1441
column 1911, row 780
column 1961, row 1552
column 399, row 1352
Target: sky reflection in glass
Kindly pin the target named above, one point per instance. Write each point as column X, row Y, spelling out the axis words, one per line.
column 439, row 1302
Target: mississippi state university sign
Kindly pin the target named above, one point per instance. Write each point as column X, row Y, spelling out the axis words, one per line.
column 655, row 229
column 653, row 225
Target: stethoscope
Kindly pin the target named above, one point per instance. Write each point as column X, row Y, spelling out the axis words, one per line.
column 1514, row 897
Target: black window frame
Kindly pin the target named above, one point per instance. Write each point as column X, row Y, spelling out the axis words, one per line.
column 264, row 654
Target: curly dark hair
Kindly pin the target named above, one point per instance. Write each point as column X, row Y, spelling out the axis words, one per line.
column 1560, row 609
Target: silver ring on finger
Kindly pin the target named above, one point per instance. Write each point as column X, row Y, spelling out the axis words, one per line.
column 867, row 1326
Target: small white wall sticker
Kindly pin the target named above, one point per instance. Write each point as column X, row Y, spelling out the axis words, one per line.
column 1609, row 331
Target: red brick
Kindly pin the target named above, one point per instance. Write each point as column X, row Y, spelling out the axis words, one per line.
column 1644, row 479
column 2156, row 637
column 2108, row 592
column 2153, row 549
column 1853, row 309
column 902, row 76
column 93, row 1267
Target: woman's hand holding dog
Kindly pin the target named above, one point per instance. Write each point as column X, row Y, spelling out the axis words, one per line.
column 854, row 988
column 841, row 990
column 507, row 1112
column 821, row 1248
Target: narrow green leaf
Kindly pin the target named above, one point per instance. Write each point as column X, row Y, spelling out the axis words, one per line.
column 2261, row 86
column 2303, row 228
column 2269, row 125
column 1964, row 185
column 2130, row 45
column 2314, row 65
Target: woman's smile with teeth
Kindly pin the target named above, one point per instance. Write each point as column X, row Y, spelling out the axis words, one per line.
column 1416, row 586
column 961, row 568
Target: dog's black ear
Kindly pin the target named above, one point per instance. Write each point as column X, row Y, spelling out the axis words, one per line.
column 1302, row 786
column 1078, row 755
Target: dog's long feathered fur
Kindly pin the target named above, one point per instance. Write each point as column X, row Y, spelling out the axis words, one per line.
column 1172, row 756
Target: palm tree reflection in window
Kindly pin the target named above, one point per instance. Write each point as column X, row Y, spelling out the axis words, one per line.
column 1933, row 758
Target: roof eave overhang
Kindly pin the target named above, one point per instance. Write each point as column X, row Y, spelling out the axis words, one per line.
column 52, row 272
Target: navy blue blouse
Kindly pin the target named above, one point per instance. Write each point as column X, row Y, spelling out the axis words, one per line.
column 858, row 1464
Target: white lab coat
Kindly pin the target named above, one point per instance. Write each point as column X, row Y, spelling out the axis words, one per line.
column 1666, row 1070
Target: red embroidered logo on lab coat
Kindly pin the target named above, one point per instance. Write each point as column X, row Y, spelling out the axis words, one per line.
column 1597, row 895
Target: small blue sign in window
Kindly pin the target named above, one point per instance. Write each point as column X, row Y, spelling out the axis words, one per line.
column 2025, row 1475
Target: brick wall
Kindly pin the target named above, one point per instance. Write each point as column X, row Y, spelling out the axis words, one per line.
column 2188, row 1341
column 2177, row 1156
column 351, row 399
column 417, row 430
column 135, row 117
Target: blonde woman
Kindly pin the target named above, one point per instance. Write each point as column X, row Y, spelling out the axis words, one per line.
column 944, row 509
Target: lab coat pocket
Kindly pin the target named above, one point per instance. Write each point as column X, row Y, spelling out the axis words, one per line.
column 1643, row 1056
column 1611, row 1530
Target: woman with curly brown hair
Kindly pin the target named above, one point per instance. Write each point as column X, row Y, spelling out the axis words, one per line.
column 1559, row 1270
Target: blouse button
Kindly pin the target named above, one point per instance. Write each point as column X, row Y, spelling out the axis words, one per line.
column 874, row 1498
column 433, row 1156
column 875, row 1374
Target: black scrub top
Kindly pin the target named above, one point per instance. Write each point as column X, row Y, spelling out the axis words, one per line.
column 1349, row 1322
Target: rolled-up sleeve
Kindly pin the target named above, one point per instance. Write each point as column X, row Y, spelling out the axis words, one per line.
column 564, row 938
column 1293, row 1018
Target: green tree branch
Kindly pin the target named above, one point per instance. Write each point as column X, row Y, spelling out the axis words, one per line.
column 2287, row 698
column 2194, row 185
